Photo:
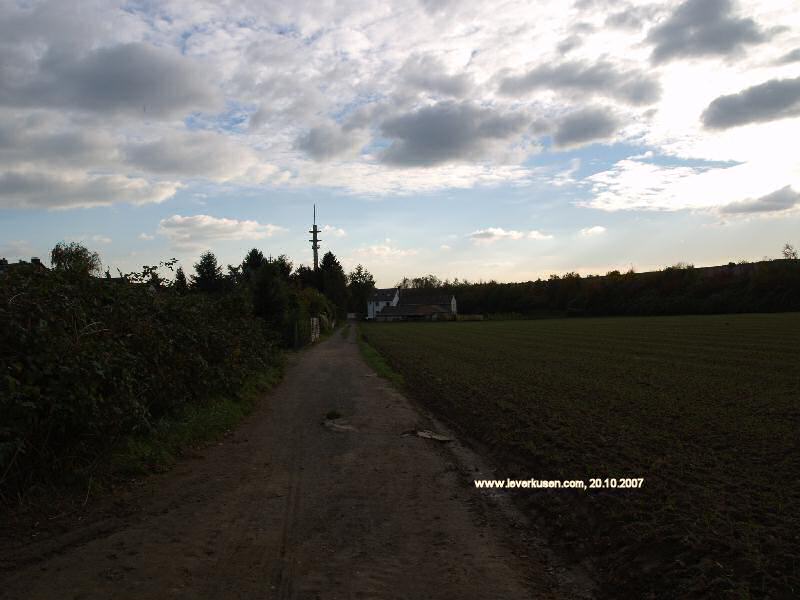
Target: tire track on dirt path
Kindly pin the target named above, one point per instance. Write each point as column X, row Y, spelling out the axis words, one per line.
column 283, row 572
column 287, row 508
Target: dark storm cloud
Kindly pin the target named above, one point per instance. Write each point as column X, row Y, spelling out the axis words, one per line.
column 703, row 28
column 782, row 199
column 327, row 142
column 126, row 79
column 447, row 132
column 585, row 126
column 602, row 78
column 775, row 99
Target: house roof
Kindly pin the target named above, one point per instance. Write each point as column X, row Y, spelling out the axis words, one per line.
column 424, row 297
column 414, row 310
column 383, row 295
column 35, row 263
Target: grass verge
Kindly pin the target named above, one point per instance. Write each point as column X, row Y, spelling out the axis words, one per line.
column 196, row 424
column 377, row 362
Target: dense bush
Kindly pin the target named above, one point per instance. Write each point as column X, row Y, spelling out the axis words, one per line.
column 85, row 361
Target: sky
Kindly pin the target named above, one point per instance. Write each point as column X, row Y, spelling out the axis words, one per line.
column 479, row 140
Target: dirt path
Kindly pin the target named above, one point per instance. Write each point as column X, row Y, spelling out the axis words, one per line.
column 289, row 508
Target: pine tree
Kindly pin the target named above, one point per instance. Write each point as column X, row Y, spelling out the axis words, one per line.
column 360, row 285
column 252, row 262
column 270, row 294
column 180, row 281
column 334, row 282
column 208, row 277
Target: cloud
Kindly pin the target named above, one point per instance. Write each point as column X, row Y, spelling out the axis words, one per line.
column 428, row 74
column 134, row 79
column 633, row 184
column 592, row 231
column 569, row 43
column 36, row 189
column 789, row 57
column 334, row 231
column 101, row 239
column 386, row 250
column 700, row 28
column 601, row 78
column 585, row 126
column 374, row 179
column 491, row 235
column 198, row 230
column 782, row 199
column 632, row 17
column 365, row 98
column 639, row 185
column 449, row 132
column 438, row 7
column 775, row 99
column 445, row 248
column 41, row 139
column 200, row 154
column 146, row 237
column 327, row 142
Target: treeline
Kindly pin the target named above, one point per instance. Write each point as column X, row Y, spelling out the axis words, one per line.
column 88, row 360
column 768, row 286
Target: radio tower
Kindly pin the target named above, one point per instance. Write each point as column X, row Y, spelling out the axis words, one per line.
column 315, row 240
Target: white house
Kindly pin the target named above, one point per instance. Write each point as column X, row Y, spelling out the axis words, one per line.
column 411, row 305
column 381, row 298
column 420, row 305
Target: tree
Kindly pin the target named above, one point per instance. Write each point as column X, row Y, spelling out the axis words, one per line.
column 360, row 285
column 429, row 281
column 283, row 264
column 789, row 252
column 252, row 262
column 334, row 281
column 208, row 274
column 180, row 281
column 270, row 295
column 234, row 277
column 306, row 277
column 75, row 258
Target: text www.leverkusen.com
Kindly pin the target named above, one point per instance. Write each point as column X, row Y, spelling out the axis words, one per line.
column 574, row 484
column 530, row 483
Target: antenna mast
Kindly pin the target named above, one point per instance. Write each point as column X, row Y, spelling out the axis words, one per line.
column 315, row 240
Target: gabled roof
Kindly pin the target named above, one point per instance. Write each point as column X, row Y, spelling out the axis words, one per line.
column 424, row 297
column 413, row 310
column 383, row 295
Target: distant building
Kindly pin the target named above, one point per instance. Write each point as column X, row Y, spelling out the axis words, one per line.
column 381, row 299
column 411, row 305
column 35, row 263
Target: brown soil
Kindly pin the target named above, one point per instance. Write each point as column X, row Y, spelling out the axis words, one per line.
column 290, row 506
